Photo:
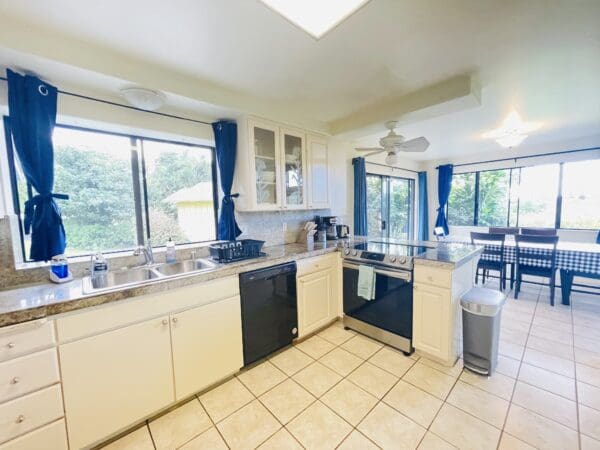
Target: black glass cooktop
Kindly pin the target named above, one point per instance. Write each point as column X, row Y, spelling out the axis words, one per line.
column 390, row 248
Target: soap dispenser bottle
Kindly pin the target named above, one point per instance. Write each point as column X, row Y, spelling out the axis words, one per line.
column 171, row 254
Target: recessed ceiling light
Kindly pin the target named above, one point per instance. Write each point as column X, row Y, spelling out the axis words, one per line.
column 512, row 132
column 316, row 17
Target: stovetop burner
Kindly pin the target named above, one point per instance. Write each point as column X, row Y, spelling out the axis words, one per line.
column 387, row 252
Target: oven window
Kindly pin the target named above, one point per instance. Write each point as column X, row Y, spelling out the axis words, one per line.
column 390, row 206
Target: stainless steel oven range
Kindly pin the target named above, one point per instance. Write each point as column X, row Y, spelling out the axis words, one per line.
column 387, row 317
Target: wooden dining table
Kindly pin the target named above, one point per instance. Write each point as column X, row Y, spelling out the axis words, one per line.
column 572, row 259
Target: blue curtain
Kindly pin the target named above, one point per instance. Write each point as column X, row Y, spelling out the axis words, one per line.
column 423, row 219
column 32, row 117
column 226, row 149
column 360, row 197
column 444, row 186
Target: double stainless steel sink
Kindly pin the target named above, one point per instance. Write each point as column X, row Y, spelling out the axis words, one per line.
column 139, row 275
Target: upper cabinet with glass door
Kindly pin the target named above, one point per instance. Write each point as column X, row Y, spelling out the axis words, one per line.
column 294, row 169
column 274, row 168
column 264, row 140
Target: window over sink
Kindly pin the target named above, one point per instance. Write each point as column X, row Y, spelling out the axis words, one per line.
column 125, row 189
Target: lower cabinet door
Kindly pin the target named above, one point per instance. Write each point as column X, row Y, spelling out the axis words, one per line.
column 314, row 301
column 431, row 319
column 207, row 345
column 115, row 379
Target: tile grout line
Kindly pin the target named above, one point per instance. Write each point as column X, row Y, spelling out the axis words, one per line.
column 510, row 402
column 575, row 372
column 211, row 421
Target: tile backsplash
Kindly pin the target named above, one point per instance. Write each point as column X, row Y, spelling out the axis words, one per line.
column 275, row 228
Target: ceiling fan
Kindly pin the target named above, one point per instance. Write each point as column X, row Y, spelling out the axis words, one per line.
column 394, row 143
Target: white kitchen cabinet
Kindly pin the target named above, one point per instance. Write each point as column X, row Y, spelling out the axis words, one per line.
column 437, row 320
column 264, row 164
column 207, row 345
column 277, row 168
column 318, row 292
column 318, row 172
column 114, row 379
column 314, row 301
column 293, row 157
column 431, row 320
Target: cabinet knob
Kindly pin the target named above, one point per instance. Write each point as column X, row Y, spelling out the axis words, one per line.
column 15, row 380
column 20, row 418
column 165, row 322
column 174, row 319
column 11, row 345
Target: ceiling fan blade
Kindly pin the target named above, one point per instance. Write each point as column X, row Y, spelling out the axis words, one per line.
column 370, row 149
column 419, row 144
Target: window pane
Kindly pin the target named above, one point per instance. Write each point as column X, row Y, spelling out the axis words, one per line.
column 461, row 204
column 401, row 216
column 94, row 169
column 493, row 198
column 374, row 193
column 180, row 192
column 581, row 195
column 537, row 196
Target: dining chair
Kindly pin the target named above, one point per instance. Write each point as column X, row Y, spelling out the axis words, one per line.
column 491, row 258
column 508, row 231
column 504, row 230
column 539, row 231
column 537, row 260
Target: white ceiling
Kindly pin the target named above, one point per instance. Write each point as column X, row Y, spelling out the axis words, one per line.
column 541, row 57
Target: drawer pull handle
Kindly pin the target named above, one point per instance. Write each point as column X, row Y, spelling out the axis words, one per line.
column 15, row 380
column 20, row 419
column 11, row 345
column 175, row 319
column 165, row 322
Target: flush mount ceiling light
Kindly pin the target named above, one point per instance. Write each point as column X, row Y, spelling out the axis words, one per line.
column 316, row 17
column 512, row 132
column 142, row 98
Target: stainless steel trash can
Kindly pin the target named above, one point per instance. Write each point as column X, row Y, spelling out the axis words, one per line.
column 482, row 309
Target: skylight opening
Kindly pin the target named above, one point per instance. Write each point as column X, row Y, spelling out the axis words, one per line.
column 316, row 17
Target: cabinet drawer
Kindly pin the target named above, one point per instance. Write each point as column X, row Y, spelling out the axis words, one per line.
column 31, row 411
column 28, row 373
column 25, row 338
column 434, row 276
column 316, row 264
column 49, row 437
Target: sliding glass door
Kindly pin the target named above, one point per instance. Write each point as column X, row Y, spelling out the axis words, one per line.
column 390, row 206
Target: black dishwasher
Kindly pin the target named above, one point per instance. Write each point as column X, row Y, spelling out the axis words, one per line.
column 269, row 310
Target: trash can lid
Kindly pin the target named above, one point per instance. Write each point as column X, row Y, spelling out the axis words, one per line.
column 483, row 301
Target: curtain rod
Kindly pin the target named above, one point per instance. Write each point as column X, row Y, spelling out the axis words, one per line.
column 392, row 167
column 108, row 102
column 515, row 159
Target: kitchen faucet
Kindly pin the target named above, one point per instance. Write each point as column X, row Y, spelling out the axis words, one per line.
column 146, row 251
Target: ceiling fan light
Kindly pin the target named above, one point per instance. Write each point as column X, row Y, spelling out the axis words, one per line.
column 511, row 140
column 391, row 159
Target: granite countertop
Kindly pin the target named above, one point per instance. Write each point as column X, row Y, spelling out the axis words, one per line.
column 35, row 302
column 449, row 255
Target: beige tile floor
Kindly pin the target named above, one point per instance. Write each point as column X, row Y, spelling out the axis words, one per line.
column 342, row 390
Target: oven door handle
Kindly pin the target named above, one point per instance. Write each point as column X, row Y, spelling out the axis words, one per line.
column 404, row 275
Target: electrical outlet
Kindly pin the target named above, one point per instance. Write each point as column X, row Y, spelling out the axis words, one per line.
column 285, row 227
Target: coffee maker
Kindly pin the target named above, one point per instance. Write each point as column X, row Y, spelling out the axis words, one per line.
column 326, row 227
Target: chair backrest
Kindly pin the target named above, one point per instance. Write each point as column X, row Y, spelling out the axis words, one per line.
column 539, row 231
column 504, row 230
column 490, row 239
column 542, row 253
column 598, row 238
